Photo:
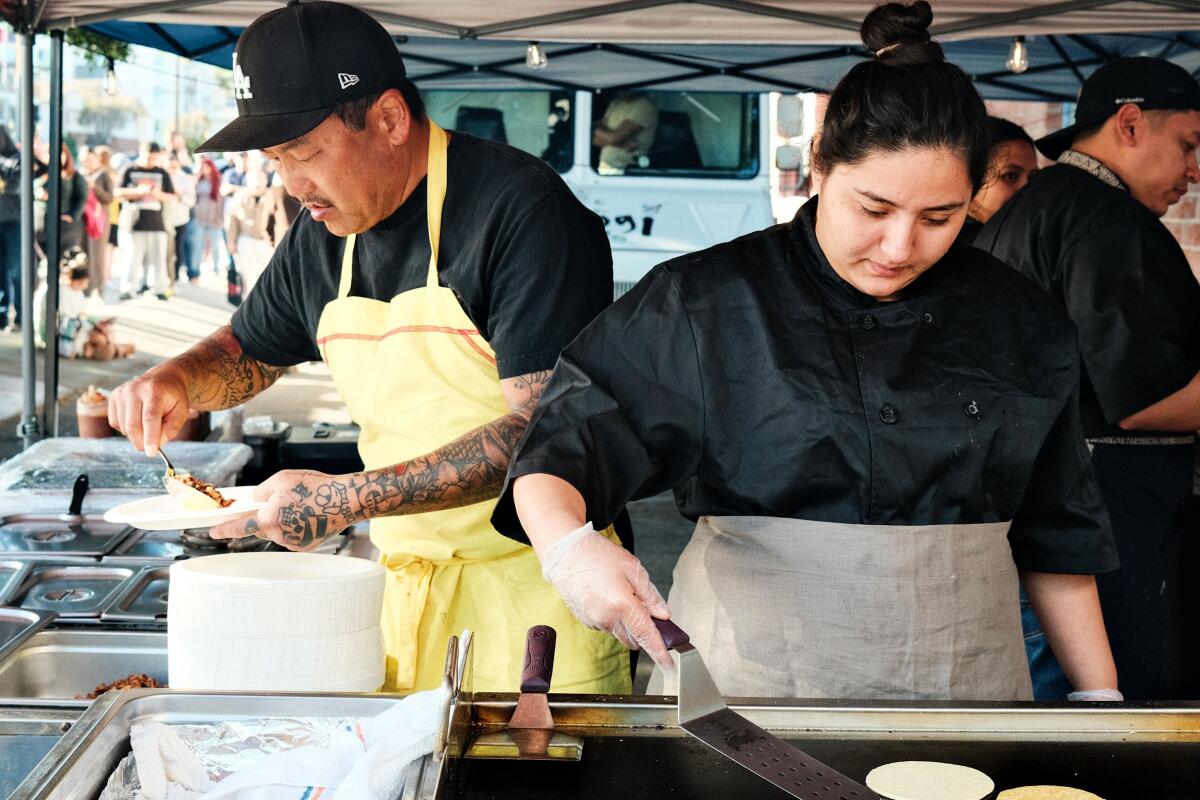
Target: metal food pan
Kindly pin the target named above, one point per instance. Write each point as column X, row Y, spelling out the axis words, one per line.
column 66, row 664
column 17, row 625
column 12, row 575
column 32, row 535
column 142, row 598
column 73, row 591
column 79, row 765
column 27, row 732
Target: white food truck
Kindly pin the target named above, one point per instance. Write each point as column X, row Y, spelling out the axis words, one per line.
column 704, row 179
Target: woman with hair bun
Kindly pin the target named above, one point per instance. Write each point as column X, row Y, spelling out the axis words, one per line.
column 877, row 432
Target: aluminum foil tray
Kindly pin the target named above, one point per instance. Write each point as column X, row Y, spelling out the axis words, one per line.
column 81, row 763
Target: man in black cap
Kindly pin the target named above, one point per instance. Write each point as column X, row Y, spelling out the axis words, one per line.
column 438, row 275
column 1087, row 229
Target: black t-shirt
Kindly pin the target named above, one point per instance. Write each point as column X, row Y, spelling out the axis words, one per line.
column 149, row 211
column 1122, row 278
column 753, row 381
column 530, row 264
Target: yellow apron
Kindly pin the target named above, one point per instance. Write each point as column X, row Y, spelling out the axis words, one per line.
column 415, row 375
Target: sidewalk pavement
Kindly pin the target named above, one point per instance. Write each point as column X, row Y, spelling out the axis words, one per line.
column 160, row 330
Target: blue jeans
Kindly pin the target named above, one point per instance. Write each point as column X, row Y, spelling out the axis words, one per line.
column 1049, row 681
column 184, row 238
column 10, row 272
column 215, row 238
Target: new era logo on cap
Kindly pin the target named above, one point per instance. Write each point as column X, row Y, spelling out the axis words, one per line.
column 346, row 79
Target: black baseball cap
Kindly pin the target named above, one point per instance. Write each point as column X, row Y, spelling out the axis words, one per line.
column 1151, row 83
column 293, row 65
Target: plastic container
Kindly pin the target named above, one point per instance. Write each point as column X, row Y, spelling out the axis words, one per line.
column 54, row 464
column 92, row 410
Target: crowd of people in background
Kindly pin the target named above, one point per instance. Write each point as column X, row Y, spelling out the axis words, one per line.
column 145, row 222
column 136, row 223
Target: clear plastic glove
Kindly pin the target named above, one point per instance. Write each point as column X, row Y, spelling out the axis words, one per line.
column 1097, row 696
column 608, row 590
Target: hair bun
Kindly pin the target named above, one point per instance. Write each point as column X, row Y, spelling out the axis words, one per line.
column 899, row 33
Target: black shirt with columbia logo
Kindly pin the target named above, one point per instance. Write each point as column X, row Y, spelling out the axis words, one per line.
column 1122, row 278
column 530, row 264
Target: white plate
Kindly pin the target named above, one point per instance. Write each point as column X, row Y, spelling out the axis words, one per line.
column 164, row 513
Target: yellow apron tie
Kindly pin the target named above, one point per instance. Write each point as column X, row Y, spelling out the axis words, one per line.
column 416, row 374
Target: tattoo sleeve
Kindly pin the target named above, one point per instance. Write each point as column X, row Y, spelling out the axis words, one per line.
column 468, row 470
column 220, row 375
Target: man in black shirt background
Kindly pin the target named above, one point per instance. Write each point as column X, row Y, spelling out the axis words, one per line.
column 144, row 187
column 1087, row 229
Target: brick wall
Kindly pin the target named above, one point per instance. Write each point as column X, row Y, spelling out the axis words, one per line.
column 1183, row 220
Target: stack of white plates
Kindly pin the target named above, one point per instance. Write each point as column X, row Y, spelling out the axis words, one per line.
column 275, row 622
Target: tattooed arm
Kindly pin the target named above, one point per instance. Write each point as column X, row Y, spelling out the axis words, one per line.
column 304, row 508
column 212, row 375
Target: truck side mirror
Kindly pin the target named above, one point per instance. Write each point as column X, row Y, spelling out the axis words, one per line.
column 789, row 157
column 790, row 116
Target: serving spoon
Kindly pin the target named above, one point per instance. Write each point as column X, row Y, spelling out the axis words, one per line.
column 186, row 495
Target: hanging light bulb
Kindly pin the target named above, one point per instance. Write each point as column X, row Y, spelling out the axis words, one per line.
column 535, row 56
column 1018, row 56
column 110, row 85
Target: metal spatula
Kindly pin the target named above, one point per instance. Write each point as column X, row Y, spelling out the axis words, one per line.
column 530, row 733
column 704, row 714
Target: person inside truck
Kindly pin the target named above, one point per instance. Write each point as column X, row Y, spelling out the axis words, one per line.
column 626, row 133
column 877, row 432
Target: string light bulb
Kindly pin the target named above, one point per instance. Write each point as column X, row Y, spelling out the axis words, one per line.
column 535, row 56
column 110, row 85
column 1018, row 56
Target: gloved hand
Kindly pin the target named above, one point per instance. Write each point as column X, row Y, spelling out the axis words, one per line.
column 608, row 590
column 1097, row 695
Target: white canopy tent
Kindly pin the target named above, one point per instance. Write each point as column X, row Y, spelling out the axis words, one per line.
column 694, row 21
column 730, row 45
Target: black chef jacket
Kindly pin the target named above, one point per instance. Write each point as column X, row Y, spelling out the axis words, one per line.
column 970, row 229
column 752, row 380
column 1122, row 278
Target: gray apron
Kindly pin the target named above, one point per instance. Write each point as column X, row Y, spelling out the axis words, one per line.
column 794, row 608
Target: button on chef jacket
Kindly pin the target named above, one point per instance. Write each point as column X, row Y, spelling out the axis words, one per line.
column 752, row 380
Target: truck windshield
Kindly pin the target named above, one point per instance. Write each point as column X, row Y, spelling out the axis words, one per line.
column 678, row 134
column 537, row 122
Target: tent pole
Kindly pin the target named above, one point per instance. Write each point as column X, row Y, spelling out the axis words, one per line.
column 54, row 244
column 28, row 428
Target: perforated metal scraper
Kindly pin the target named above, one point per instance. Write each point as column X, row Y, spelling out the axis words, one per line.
column 704, row 714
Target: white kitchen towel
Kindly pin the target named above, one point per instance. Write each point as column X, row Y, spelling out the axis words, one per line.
column 366, row 760
column 166, row 768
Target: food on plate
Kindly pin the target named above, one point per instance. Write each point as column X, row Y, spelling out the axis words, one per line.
column 208, row 496
column 929, row 780
column 1046, row 793
column 137, row 680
